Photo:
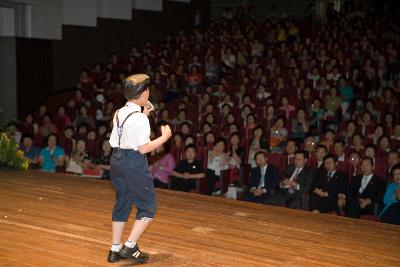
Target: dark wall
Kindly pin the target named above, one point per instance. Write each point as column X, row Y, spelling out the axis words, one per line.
column 8, row 79
column 34, row 73
column 83, row 46
column 47, row 66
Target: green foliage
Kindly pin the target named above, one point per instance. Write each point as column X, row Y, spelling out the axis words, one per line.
column 10, row 155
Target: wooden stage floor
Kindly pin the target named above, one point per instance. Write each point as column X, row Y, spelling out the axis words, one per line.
column 59, row 220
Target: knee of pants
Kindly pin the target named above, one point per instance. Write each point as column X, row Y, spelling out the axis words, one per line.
column 146, row 212
column 121, row 213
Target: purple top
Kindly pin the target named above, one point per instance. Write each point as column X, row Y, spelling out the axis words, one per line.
column 163, row 168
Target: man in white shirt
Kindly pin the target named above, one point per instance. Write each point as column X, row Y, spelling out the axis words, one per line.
column 263, row 181
column 320, row 152
column 365, row 191
column 296, row 181
column 130, row 139
column 339, row 148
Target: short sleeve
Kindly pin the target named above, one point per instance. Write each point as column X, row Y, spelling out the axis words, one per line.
column 144, row 136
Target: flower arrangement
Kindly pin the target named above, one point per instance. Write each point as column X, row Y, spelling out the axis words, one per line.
column 10, row 156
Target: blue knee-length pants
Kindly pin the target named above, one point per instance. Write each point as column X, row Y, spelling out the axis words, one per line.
column 133, row 185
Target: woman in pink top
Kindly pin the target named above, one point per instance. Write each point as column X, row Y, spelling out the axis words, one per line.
column 163, row 166
column 286, row 108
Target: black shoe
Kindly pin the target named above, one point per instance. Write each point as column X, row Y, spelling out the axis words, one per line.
column 133, row 254
column 114, row 256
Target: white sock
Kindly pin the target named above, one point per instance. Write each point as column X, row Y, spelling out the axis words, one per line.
column 130, row 244
column 115, row 247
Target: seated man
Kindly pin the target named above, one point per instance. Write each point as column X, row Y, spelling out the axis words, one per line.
column 31, row 152
column 263, row 181
column 187, row 171
column 320, row 152
column 364, row 191
column 297, row 181
column 290, row 149
column 328, row 188
column 339, row 149
column 339, row 152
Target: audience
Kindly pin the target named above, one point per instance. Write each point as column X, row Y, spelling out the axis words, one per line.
column 266, row 86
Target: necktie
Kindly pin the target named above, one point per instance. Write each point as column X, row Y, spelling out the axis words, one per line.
column 294, row 178
column 329, row 176
column 262, row 179
column 364, row 183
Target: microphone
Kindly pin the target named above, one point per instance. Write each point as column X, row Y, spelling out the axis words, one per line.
column 149, row 106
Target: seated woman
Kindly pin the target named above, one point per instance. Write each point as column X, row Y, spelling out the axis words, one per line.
column 67, row 141
column 300, row 126
column 217, row 162
column 102, row 163
column 194, row 80
column 163, row 166
column 258, row 143
column 187, row 171
column 84, row 117
column 177, row 146
column 391, row 212
column 286, row 108
column 278, row 136
column 316, row 116
column 332, row 102
column 28, row 126
column 79, row 159
column 47, row 127
column 236, row 157
column 51, row 157
column 249, row 125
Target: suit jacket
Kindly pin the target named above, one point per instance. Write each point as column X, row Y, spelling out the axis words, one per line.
column 335, row 186
column 291, row 160
column 304, row 179
column 271, row 178
column 374, row 190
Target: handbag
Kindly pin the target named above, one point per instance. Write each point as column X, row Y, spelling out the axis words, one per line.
column 74, row 167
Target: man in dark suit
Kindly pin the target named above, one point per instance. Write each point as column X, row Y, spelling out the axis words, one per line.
column 328, row 188
column 339, row 152
column 297, row 181
column 290, row 149
column 364, row 191
column 318, row 165
column 263, row 181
